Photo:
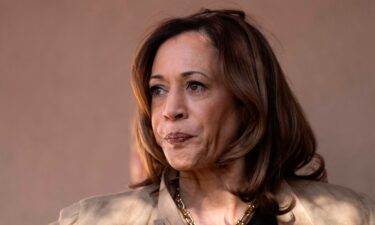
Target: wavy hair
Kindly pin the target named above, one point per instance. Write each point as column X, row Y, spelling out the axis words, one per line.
column 275, row 138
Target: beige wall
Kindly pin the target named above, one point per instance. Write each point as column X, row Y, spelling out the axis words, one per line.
column 66, row 104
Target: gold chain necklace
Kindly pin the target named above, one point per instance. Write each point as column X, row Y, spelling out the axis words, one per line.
column 189, row 219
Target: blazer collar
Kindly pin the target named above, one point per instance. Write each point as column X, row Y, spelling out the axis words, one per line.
column 298, row 215
column 169, row 214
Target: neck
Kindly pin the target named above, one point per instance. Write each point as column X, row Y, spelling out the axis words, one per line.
column 207, row 193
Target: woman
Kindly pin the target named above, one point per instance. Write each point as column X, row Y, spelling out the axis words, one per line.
column 221, row 136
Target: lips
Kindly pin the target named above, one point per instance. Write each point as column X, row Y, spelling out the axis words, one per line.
column 177, row 137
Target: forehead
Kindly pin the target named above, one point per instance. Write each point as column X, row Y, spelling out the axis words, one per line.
column 193, row 38
column 189, row 50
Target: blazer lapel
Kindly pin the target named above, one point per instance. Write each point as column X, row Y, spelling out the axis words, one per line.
column 168, row 213
column 298, row 215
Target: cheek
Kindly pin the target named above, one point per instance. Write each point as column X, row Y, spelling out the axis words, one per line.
column 155, row 121
column 222, row 120
column 154, row 125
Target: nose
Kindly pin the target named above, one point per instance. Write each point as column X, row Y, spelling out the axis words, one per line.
column 175, row 107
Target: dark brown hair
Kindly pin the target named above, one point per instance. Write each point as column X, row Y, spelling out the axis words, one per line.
column 275, row 138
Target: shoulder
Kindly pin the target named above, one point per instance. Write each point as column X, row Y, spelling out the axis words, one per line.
column 117, row 208
column 333, row 204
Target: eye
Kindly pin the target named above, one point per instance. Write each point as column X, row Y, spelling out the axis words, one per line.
column 195, row 86
column 157, row 90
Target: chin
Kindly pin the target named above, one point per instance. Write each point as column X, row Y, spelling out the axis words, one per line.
column 181, row 165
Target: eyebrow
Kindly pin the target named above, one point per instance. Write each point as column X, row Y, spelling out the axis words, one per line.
column 184, row 74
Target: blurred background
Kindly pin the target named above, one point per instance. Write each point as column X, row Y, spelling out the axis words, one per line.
column 66, row 106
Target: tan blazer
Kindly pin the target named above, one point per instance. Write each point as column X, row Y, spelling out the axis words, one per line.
column 316, row 204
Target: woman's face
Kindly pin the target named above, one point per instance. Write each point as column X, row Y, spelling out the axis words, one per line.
column 194, row 117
